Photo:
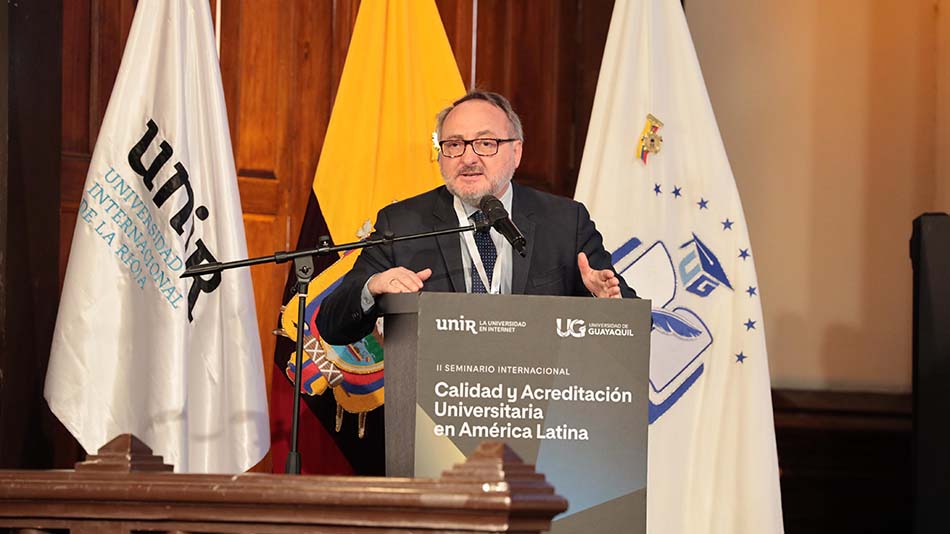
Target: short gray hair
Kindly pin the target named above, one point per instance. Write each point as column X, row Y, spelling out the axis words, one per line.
column 494, row 99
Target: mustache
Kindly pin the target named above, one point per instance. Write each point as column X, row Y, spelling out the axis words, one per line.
column 470, row 169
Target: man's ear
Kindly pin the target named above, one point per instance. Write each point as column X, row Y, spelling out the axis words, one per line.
column 517, row 149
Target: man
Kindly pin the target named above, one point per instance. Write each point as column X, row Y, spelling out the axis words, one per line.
column 480, row 140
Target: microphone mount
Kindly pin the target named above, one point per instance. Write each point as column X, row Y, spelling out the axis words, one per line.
column 304, row 271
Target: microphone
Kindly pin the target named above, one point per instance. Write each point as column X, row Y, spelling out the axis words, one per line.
column 498, row 217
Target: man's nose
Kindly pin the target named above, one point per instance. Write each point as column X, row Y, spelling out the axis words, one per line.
column 469, row 157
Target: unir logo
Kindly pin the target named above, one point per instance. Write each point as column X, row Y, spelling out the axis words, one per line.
column 177, row 183
column 456, row 325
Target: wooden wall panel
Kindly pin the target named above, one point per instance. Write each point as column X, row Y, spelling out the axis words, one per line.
column 76, row 143
column 76, row 40
column 109, row 30
column 261, row 100
column 280, row 71
column 256, row 74
column 78, row 138
column 94, row 35
column 457, row 19
column 544, row 55
column 593, row 22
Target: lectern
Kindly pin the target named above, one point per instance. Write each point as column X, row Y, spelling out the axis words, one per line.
column 562, row 380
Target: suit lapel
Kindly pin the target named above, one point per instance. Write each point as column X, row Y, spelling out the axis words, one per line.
column 522, row 216
column 450, row 246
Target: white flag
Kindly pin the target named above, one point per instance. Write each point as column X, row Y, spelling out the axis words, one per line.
column 656, row 179
column 176, row 362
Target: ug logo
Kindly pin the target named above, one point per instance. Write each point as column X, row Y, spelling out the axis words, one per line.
column 574, row 328
column 680, row 336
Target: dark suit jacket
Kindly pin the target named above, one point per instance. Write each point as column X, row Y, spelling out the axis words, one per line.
column 556, row 230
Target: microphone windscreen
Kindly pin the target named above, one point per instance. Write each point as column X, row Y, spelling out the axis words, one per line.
column 493, row 209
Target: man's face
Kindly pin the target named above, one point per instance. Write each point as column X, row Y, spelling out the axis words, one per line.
column 470, row 176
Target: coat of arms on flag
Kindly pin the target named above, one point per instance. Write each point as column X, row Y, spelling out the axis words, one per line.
column 650, row 140
column 354, row 371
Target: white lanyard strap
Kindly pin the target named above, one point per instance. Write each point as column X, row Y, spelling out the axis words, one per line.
column 495, row 286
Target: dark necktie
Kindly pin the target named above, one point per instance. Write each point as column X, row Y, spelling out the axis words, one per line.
column 486, row 249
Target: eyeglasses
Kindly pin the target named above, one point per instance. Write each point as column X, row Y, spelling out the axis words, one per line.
column 483, row 146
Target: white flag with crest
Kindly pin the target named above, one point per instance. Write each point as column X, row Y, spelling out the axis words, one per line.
column 656, row 179
column 176, row 362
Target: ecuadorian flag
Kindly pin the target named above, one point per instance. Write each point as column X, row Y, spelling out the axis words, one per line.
column 399, row 73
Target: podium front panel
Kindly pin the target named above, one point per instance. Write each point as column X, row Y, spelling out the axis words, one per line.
column 562, row 380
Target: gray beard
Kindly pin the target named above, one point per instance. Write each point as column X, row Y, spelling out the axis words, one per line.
column 474, row 201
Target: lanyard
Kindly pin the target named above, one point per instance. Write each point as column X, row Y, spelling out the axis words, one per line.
column 476, row 258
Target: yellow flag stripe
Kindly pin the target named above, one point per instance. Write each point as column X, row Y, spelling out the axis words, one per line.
column 399, row 73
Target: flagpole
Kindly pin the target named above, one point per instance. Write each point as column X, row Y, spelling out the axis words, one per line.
column 471, row 79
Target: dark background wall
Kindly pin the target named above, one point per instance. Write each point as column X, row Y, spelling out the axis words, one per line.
column 29, row 228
